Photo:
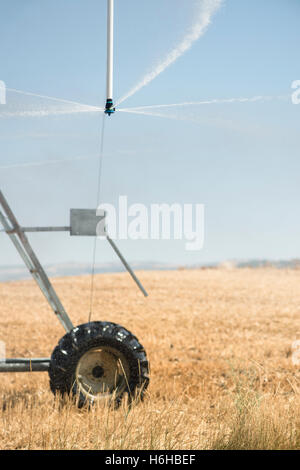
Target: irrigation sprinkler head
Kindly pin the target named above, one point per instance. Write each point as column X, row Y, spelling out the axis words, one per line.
column 109, row 107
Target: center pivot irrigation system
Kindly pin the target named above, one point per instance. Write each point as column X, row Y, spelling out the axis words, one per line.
column 96, row 361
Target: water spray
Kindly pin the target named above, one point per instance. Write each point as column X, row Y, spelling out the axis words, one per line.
column 206, row 9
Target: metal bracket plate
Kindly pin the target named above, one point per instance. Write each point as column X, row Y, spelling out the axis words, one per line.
column 84, row 222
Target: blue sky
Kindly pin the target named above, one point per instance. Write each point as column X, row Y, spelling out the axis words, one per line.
column 241, row 159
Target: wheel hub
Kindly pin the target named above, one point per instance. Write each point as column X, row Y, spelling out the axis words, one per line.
column 100, row 372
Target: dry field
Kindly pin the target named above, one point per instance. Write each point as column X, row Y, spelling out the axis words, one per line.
column 219, row 343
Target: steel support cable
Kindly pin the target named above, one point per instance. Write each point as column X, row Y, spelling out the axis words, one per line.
column 97, row 203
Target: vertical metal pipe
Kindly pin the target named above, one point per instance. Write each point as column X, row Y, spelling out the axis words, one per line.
column 110, row 48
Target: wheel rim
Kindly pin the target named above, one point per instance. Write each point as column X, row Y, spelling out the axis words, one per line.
column 101, row 373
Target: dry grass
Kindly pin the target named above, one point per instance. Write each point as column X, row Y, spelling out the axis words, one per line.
column 219, row 342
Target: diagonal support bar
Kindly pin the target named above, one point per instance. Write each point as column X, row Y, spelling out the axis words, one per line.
column 30, row 259
column 132, row 274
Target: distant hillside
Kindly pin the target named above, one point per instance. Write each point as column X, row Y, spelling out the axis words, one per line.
column 13, row 273
column 264, row 263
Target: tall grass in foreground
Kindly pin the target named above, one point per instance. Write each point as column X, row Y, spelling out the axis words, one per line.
column 243, row 420
column 260, row 422
column 219, row 344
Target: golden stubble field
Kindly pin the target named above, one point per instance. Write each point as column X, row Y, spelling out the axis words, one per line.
column 219, row 344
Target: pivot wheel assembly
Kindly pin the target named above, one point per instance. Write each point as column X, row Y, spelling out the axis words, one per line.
column 99, row 362
column 93, row 362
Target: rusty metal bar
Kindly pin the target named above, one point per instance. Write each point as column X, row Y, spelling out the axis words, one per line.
column 25, row 365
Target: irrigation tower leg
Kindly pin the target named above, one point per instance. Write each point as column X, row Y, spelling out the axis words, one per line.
column 19, row 239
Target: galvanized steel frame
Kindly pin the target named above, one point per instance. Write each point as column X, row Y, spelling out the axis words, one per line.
column 22, row 245
column 19, row 239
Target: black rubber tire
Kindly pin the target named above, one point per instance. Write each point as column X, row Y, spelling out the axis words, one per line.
column 86, row 337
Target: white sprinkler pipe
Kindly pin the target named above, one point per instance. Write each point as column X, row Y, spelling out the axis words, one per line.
column 110, row 54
